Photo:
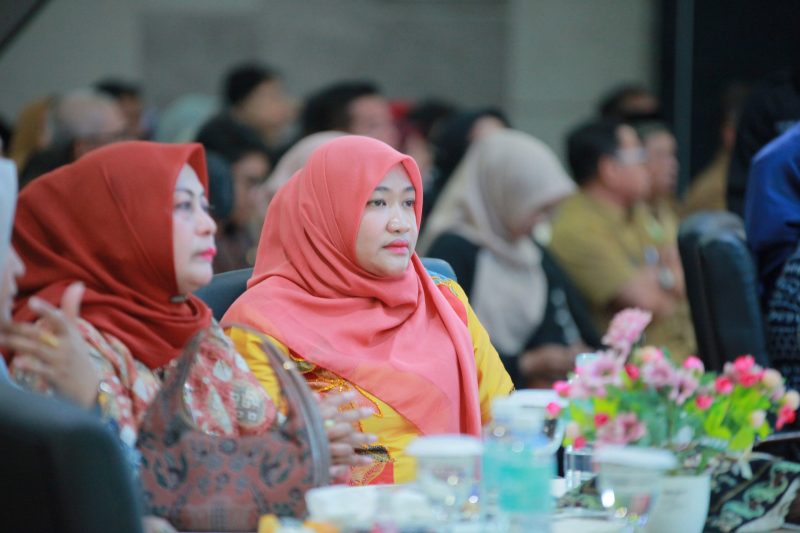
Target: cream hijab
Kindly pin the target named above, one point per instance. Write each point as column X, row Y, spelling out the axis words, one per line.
column 502, row 181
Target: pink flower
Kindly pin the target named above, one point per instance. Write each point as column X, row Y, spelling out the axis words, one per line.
column 743, row 363
column 694, row 363
column 561, row 388
column 632, row 371
column 792, row 399
column 772, row 379
column 685, row 385
column 723, row 385
column 624, row 429
column 600, row 419
column 572, row 431
column 786, row 415
column 658, row 373
column 757, row 418
column 648, row 354
column 703, row 401
column 553, row 409
column 596, row 375
column 579, row 443
column 748, row 379
column 626, row 329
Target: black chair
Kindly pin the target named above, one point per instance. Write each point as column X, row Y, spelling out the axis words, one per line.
column 61, row 469
column 227, row 286
column 722, row 285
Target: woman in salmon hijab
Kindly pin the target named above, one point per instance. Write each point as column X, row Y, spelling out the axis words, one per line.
column 337, row 285
column 130, row 222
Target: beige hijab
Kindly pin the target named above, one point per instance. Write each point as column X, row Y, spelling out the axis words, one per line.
column 502, row 180
column 295, row 158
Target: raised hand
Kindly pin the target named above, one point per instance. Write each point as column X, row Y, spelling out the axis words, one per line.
column 53, row 348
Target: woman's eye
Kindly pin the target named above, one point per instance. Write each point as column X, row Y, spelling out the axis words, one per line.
column 409, row 203
column 183, row 206
column 377, row 203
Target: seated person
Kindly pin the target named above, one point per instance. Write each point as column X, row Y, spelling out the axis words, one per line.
column 138, row 311
column 598, row 236
column 338, row 286
column 536, row 319
column 248, row 160
column 772, row 207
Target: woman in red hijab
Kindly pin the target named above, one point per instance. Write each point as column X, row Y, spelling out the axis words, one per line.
column 338, row 286
column 130, row 222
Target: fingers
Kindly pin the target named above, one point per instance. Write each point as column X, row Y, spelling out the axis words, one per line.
column 29, row 364
column 71, row 300
column 336, row 400
column 341, row 454
column 52, row 316
column 25, row 344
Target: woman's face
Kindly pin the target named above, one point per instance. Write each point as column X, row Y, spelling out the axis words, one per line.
column 8, row 285
column 388, row 231
column 193, row 232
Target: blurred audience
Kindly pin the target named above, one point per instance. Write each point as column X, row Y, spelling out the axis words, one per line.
column 771, row 108
column 181, row 120
column 83, row 120
column 599, row 237
column 451, row 141
column 254, row 95
column 248, row 160
column 628, row 100
column 129, row 99
column 772, row 206
column 33, row 130
column 535, row 318
column 356, row 107
column 417, row 123
column 707, row 191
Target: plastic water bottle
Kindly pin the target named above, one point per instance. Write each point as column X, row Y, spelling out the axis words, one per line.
column 517, row 468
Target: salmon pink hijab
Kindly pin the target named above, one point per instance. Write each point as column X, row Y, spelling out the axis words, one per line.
column 106, row 220
column 397, row 338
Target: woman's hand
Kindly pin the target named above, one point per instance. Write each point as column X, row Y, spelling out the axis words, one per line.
column 53, row 348
column 343, row 436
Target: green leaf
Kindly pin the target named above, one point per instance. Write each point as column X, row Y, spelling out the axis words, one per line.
column 743, row 439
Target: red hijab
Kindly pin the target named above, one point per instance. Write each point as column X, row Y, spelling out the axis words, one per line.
column 106, row 220
column 397, row 338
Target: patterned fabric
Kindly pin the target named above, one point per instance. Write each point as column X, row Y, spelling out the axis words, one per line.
column 395, row 432
column 783, row 322
column 223, row 396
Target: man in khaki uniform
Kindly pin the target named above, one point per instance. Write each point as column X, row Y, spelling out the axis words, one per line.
column 599, row 236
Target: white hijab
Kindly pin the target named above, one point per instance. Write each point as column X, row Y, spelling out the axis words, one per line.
column 503, row 179
column 8, row 199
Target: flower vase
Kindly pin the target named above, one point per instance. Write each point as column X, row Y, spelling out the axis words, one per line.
column 682, row 506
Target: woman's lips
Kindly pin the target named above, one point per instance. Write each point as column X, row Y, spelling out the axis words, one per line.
column 397, row 247
column 209, row 254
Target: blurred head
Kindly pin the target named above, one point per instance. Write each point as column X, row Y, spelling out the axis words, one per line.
column 662, row 161
column 129, row 98
column 387, row 234
column 628, row 100
column 193, row 232
column 354, row 107
column 88, row 120
column 249, row 163
column 256, row 96
column 33, row 131
column 609, row 155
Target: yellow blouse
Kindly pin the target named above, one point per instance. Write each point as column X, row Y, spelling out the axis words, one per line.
column 394, row 432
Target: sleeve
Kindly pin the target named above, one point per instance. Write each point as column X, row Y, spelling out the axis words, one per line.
column 493, row 380
column 248, row 345
column 460, row 253
column 595, row 262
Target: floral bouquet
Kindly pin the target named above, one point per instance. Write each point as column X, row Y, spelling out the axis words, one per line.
column 632, row 395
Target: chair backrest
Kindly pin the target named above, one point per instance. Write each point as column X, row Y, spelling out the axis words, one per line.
column 61, row 469
column 722, row 285
column 227, row 286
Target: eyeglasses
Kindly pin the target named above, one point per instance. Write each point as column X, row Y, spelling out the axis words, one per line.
column 631, row 156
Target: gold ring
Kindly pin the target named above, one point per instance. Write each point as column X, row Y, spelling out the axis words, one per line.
column 49, row 339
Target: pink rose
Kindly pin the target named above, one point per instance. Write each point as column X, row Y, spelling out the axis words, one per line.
column 703, row 401
column 694, row 363
column 626, row 329
column 579, row 443
column 561, row 388
column 658, row 373
column 624, row 429
column 786, row 415
column 723, row 385
column 553, row 409
column 632, row 371
column 743, row 363
column 600, row 419
column 685, row 385
column 748, row 379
